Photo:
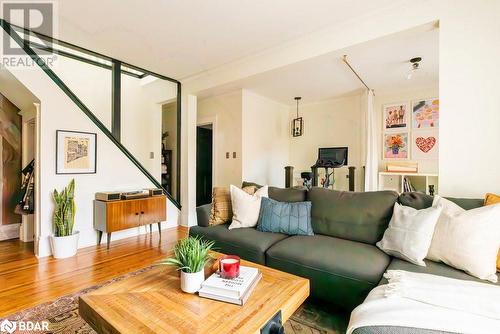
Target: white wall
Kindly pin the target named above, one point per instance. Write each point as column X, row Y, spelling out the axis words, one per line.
column 226, row 111
column 114, row 170
column 141, row 106
column 470, row 102
column 96, row 96
column 265, row 140
column 141, row 119
column 330, row 123
column 387, row 97
column 468, row 87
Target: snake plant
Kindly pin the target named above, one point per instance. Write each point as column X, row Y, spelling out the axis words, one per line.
column 65, row 209
column 190, row 254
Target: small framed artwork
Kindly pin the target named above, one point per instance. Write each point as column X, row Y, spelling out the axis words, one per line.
column 76, row 152
column 396, row 116
column 425, row 145
column 396, row 146
column 425, row 114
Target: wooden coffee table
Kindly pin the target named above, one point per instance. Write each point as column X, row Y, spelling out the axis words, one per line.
column 152, row 302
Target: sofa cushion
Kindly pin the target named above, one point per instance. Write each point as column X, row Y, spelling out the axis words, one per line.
column 282, row 194
column 362, row 216
column 287, row 194
column 203, row 214
column 247, row 243
column 420, row 201
column 434, row 268
column 342, row 272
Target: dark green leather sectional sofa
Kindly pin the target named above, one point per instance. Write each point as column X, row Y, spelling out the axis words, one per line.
column 341, row 259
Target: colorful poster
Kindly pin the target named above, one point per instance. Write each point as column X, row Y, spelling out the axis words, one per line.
column 425, row 145
column 396, row 146
column 425, row 114
column 396, row 116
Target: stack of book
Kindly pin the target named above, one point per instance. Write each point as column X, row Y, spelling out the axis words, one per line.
column 407, row 186
column 236, row 290
column 402, row 167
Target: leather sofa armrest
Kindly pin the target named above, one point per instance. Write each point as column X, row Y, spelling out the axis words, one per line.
column 203, row 214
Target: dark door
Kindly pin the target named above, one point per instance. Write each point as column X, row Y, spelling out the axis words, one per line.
column 203, row 165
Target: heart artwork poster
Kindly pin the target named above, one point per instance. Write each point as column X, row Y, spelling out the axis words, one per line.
column 425, row 144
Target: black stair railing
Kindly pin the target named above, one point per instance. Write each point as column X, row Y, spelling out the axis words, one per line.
column 25, row 45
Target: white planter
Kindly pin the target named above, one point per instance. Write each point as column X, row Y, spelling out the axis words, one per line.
column 63, row 247
column 191, row 282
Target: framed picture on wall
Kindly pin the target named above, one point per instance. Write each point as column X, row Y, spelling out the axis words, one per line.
column 396, row 146
column 76, row 152
column 425, row 114
column 425, row 144
column 396, row 116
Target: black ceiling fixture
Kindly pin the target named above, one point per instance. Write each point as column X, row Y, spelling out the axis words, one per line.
column 415, row 66
column 297, row 123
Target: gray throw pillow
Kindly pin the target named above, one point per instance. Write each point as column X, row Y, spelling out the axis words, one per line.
column 283, row 217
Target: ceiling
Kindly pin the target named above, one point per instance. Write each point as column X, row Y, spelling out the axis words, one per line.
column 382, row 63
column 180, row 38
column 16, row 92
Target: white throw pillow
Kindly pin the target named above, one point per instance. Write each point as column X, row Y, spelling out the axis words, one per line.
column 409, row 234
column 467, row 239
column 246, row 208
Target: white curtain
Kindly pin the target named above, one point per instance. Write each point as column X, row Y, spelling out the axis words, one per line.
column 371, row 159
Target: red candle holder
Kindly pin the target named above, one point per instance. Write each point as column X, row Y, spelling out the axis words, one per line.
column 229, row 266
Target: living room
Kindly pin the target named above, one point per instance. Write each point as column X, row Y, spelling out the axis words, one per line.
column 387, row 88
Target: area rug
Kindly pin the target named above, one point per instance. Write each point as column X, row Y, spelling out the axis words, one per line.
column 63, row 318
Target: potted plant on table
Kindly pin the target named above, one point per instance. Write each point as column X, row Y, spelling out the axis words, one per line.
column 64, row 242
column 190, row 257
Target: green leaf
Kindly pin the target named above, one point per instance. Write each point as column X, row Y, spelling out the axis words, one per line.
column 190, row 254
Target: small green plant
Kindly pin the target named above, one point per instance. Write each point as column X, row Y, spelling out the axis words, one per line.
column 64, row 211
column 190, row 255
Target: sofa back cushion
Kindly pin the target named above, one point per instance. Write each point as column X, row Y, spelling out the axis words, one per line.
column 357, row 216
column 282, row 194
column 421, row 201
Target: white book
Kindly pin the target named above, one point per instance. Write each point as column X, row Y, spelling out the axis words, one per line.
column 231, row 288
column 238, row 301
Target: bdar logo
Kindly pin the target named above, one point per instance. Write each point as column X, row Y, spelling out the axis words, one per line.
column 7, row 326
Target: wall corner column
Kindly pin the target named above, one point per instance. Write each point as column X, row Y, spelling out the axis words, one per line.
column 188, row 159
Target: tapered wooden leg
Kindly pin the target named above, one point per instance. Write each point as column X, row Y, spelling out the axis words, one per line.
column 99, row 236
column 150, row 228
column 159, row 229
column 109, row 239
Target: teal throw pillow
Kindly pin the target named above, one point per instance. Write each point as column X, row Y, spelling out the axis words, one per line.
column 284, row 217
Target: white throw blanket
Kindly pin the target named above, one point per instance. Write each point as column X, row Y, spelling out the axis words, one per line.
column 430, row 302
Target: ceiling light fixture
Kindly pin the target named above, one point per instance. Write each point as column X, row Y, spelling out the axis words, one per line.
column 414, row 66
column 297, row 123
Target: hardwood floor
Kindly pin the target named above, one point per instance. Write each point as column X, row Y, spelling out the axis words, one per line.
column 26, row 281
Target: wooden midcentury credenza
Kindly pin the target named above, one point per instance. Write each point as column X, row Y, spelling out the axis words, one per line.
column 124, row 214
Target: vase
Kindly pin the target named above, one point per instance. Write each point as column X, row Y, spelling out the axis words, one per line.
column 63, row 247
column 395, row 150
column 191, row 282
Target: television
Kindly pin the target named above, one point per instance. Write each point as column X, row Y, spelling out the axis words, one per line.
column 333, row 156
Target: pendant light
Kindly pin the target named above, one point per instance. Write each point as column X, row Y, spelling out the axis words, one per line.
column 297, row 123
column 414, row 67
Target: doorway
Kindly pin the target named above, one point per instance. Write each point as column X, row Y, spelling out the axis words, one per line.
column 204, row 164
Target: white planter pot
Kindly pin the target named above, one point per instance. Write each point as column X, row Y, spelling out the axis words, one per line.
column 63, row 247
column 191, row 282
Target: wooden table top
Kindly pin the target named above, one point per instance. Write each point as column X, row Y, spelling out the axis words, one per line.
column 152, row 302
